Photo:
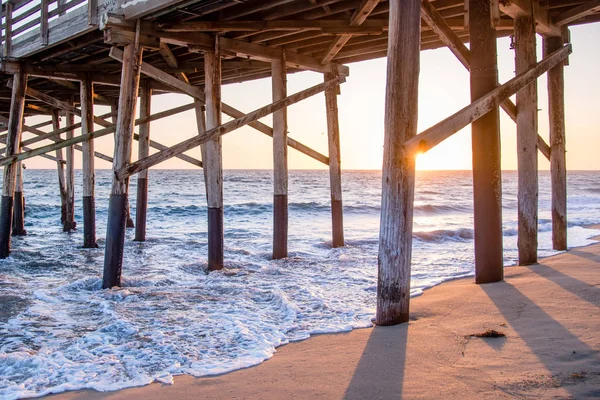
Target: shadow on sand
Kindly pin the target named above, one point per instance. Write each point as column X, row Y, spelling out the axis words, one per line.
column 383, row 358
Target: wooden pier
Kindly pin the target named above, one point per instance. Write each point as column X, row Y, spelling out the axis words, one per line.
column 61, row 57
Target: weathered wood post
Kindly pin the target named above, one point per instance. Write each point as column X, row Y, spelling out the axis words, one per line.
column 558, row 163
column 527, row 150
column 70, row 223
column 280, row 164
column 212, row 159
column 335, row 168
column 114, row 110
column 401, row 114
column 13, row 139
column 117, row 207
column 88, row 172
column 487, row 179
column 61, row 172
column 18, row 228
column 141, row 205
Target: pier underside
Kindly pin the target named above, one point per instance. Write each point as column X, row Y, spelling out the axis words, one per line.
column 62, row 57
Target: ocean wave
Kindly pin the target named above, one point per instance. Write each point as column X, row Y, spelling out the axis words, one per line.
column 440, row 235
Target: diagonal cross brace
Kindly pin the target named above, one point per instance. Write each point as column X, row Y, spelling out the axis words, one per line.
column 437, row 23
column 198, row 94
column 443, row 130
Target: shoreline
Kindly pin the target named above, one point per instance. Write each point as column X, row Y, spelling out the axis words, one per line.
column 297, row 368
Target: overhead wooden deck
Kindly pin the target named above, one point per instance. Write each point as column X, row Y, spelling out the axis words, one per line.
column 316, row 33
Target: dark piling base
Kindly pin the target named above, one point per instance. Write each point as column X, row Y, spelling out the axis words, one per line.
column 89, row 223
column 141, row 210
column 215, row 239
column 6, row 216
column 115, row 241
column 280, row 226
column 63, row 213
column 18, row 225
column 337, row 220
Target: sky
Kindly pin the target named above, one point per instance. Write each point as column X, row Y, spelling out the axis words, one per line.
column 443, row 90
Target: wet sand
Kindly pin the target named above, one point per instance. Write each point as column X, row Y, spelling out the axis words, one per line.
column 550, row 314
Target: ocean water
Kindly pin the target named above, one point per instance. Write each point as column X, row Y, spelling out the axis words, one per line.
column 60, row 331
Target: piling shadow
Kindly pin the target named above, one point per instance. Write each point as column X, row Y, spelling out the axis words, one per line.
column 587, row 255
column 583, row 290
column 379, row 373
column 561, row 351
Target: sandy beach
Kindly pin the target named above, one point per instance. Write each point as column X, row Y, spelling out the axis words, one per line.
column 550, row 314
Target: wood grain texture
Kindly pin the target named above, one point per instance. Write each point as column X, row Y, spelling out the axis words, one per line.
column 434, row 135
column 141, row 206
column 13, row 141
column 280, row 162
column 335, row 166
column 558, row 166
column 87, row 127
column 70, row 178
column 15, row 124
column 60, row 167
column 485, row 140
column 527, row 137
column 198, row 94
column 395, row 235
column 221, row 130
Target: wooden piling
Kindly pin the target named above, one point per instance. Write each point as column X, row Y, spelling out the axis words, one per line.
column 395, row 235
column 13, row 139
column 70, row 223
column 114, row 111
column 141, row 205
column 212, row 160
column 558, row 165
column 280, row 164
column 62, row 189
column 117, row 207
column 88, row 171
column 527, row 137
column 18, row 226
column 335, row 169
column 487, row 178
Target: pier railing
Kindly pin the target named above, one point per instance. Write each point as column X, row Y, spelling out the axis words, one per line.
column 26, row 23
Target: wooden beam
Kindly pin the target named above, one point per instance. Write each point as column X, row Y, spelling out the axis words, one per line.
column 431, row 137
column 70, row 223
column 437, row 23
column 100, row 121
column 204, row 42
column 485, row 141
column 60, row 167
column 117, row 208
column 519, row 8
column 196, row 93
column 44, row 22
column 397, row 198
column 335, row 166
column 13, row 140
column 324, row 26
column 558, row 166
column 575, row 13
column 230, row 126
column 527, row 134
column 88, row 171
column 141, row 204
column 280, row 163
column 96, row 134
column 358, row 18
column 169, row 57
column 212, row 157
